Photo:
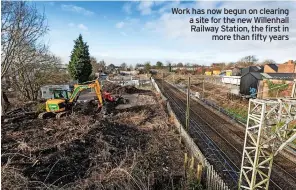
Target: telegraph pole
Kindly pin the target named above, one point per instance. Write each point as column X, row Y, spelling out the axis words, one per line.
column 188, row 105
column 203, row 89
column 174, row 78
column 162, row 81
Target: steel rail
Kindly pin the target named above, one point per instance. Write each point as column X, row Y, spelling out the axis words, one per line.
column 225, row 159
column 242, row 138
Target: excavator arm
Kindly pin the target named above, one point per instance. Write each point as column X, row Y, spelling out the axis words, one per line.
column 79, row 88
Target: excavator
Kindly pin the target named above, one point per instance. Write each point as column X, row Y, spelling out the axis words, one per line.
column 63, row 101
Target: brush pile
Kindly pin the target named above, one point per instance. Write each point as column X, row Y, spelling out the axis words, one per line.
column 117, row 89
column 133, row 148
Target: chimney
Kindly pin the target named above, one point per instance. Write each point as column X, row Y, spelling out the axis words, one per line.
column 290, row 62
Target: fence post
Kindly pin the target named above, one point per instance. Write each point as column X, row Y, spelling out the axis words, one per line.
column 185, row 163
column 199, row 172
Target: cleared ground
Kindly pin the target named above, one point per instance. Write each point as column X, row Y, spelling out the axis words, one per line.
column 133, row 148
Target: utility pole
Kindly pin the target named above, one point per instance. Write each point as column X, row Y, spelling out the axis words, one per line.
column 188, row 105
column 174, row 78
column 203, row 89
column 162, row 81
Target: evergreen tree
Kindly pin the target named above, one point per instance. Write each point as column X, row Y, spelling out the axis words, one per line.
column 80, row 67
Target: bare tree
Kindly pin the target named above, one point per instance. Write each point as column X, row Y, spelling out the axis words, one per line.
column 29, row 75
column 159, row 65
column 123, row 66
column 230, row 65
column 268, row 61
column 102, row 66
column 22, row 26
column 147, row 67
column 180, row 64
column 94, row 64
column 247, row 61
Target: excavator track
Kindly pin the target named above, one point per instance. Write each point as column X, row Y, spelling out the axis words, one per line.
column 61, row 114
column 45, row 115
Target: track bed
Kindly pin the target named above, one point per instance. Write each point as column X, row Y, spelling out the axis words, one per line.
column 222, row 142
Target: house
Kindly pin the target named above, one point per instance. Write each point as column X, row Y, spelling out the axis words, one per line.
column 228, row 72
column 216, row 71
column 199, row 70
column 258, row 69
column 208, row 72
column 219, row 65
column 287, row 68
column 270, row 68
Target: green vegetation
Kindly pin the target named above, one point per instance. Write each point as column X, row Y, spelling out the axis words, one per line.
column 147, row 67
column 276, row 88
column 80, row 66
column 239, row 113
column 159, row 65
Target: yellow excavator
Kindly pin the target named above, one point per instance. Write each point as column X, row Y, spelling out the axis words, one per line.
column 63, row 102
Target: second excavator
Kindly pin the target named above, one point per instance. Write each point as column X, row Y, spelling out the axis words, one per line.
column 63, row 102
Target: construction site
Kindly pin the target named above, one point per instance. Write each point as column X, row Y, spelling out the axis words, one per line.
column 90, row 123
column 133, row 147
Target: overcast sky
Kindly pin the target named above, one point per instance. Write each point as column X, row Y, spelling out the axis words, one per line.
column 135, row 32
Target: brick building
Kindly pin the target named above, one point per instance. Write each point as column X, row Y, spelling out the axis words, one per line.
column 287, row 67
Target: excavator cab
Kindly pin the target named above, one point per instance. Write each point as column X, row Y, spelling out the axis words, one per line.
column 63, row 94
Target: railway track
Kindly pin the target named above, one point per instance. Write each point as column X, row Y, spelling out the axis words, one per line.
column 222, row 143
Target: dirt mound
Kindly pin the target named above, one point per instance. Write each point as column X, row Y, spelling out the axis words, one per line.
column 117, row 89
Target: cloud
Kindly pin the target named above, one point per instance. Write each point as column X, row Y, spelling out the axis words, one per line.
column 145, row 7
column 76, row 9
column 119, row 25
column 176, row 28
column 82, row 27
column 127, row 8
